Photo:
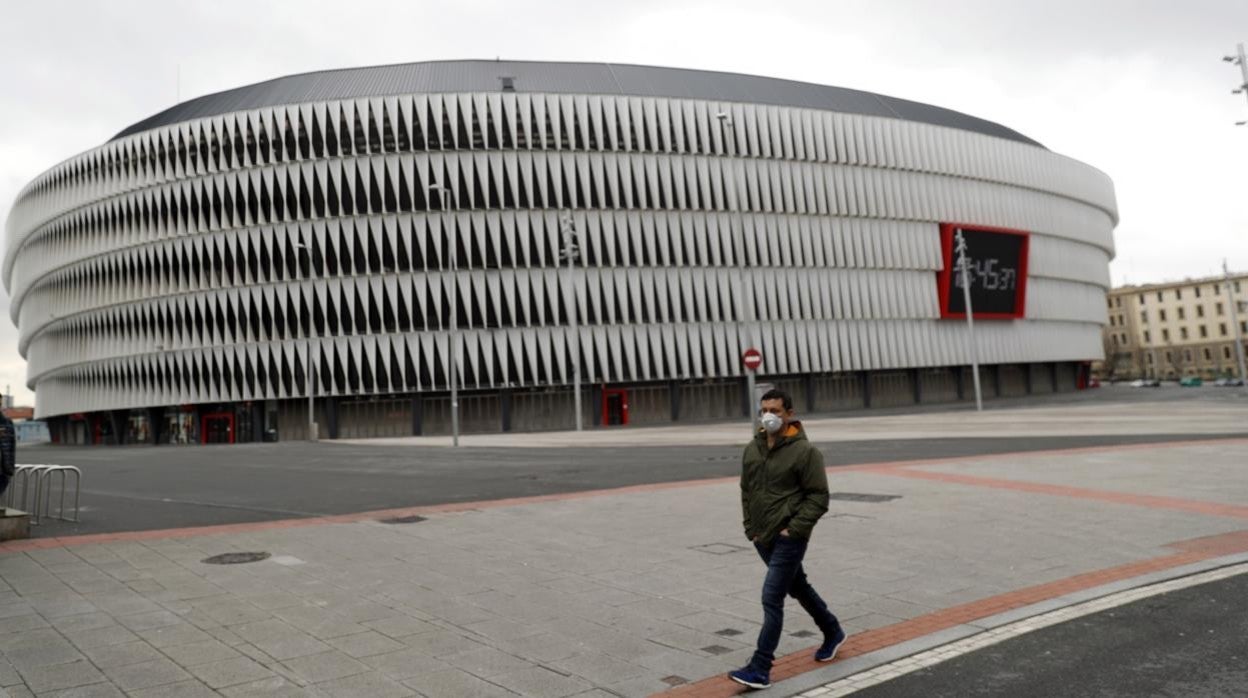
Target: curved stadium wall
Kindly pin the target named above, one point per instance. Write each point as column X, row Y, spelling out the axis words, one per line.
column 197, row 262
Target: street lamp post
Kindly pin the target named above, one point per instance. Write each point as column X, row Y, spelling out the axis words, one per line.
column 964, row 271
column 308, row 385
column 728, row 133
column 571, row 253
column 454, row 338
column 1239, row 335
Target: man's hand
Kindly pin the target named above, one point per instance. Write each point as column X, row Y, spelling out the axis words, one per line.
column 784, row 533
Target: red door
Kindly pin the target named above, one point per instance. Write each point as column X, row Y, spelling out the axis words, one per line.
column 218, row 428
column 614, row 407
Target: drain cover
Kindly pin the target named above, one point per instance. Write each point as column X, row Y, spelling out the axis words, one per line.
column 803, row 634
column 728, row 632
column 716, row 650
column 861, row 497
column 403, row 519
column 235, row 558
column 674, row 680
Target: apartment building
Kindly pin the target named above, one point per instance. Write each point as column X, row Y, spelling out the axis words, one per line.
column 1172, row 330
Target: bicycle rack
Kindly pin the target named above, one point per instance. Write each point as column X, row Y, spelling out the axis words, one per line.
column 40, row 504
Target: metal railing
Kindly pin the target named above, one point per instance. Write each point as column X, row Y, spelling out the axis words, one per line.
column 35, row 484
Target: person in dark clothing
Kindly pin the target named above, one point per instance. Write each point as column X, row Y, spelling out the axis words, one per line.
column 784, row 492
column 8, row 451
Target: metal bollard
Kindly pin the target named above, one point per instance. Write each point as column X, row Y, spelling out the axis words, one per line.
column 64, row 471
column 40, row 505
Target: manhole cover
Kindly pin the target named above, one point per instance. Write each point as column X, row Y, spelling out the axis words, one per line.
column 728, row 632
column 716, row 650
column 403, row 519
column 802, row 633
column 862, row 497
column 235, row 558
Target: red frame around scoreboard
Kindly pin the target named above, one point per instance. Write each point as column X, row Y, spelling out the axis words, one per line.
column 943, row 276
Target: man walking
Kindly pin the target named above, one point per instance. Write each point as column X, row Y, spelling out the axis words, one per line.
column 784, row 491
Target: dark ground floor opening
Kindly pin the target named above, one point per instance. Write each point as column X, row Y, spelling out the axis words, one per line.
column 552, row 408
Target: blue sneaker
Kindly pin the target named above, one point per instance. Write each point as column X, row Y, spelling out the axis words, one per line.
column 751, row 678
column 831, row 643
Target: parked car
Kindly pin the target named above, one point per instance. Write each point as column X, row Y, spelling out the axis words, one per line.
column 1145, row 383
column 1228, row 382
column 1094, row 383
column 1191, row 382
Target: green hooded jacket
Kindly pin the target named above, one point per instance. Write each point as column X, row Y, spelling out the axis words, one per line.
column 782, row 487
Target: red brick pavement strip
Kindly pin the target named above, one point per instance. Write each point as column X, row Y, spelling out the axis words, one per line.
column 17, row 546
column 787, row 667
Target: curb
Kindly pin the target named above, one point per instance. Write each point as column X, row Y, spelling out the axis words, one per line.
column 852, row 666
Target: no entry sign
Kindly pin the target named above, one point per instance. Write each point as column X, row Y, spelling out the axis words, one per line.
column 752, row 359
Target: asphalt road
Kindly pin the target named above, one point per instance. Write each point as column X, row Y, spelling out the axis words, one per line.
column 144, row 487
column 1190, row 642
column 132, row 488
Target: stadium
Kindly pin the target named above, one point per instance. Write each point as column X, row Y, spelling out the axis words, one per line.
column 356, row 240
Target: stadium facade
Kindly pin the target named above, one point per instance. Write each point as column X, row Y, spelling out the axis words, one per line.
column 197, row 276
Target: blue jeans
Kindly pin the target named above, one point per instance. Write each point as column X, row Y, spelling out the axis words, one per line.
column 785, row 576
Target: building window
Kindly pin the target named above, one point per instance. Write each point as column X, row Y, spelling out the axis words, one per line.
column 1197, row 291
column 1203, row 332
column 1182, row 314
column 1165, row 335
column 1178, row 294
column 1124, row 338
column 1221, row 329
column 1150, row 359
column 1141, row 299
column 1147, row 340
column 1182, row 333
column 1118, row 302
column 1220, row 310
column 1159, row 295
column 1226, row 352
column 1187, row 356
column 1237, row 287
column 1109, row 303
column 1143, row 317
column 1200, row 311
column 1208, row 354
column 1162, row 315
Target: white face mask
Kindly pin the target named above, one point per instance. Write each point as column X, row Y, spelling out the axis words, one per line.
column 771, row 422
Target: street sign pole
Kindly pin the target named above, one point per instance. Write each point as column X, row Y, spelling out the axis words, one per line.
column 752, row 360
column 964, row 270
column 1239, row 337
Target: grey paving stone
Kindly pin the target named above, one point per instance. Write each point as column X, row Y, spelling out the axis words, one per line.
column 95, row 690
column 109, row 656
column 365, row 644
column 291, row 646
column 157, row 672
column 201, row 652
column 316, row 668
column 42, row 654
column 173, row 635
column 540, row 681
column 440, row 643
column 149, row 620
column 101, row 637
column 182, row 689
column 600, row 669
column 42, row 679
column 453, row 682
column 230, row 672
column 84, row 621
column 8, row 674
column 404, row 664
column 369, row 685
column 398, row 625
column 275, row 687
column 18, row 624
column 485, row 662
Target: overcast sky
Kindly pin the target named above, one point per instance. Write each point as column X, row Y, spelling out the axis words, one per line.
column 1133, row 87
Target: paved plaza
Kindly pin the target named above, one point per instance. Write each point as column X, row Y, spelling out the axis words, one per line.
column 631, row 591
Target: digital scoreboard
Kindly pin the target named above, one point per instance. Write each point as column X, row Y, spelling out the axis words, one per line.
column 997, row 271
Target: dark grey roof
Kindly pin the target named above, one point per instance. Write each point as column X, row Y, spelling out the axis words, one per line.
column 580, row 78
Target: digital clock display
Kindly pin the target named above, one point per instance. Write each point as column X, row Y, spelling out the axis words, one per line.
column 996, row 271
